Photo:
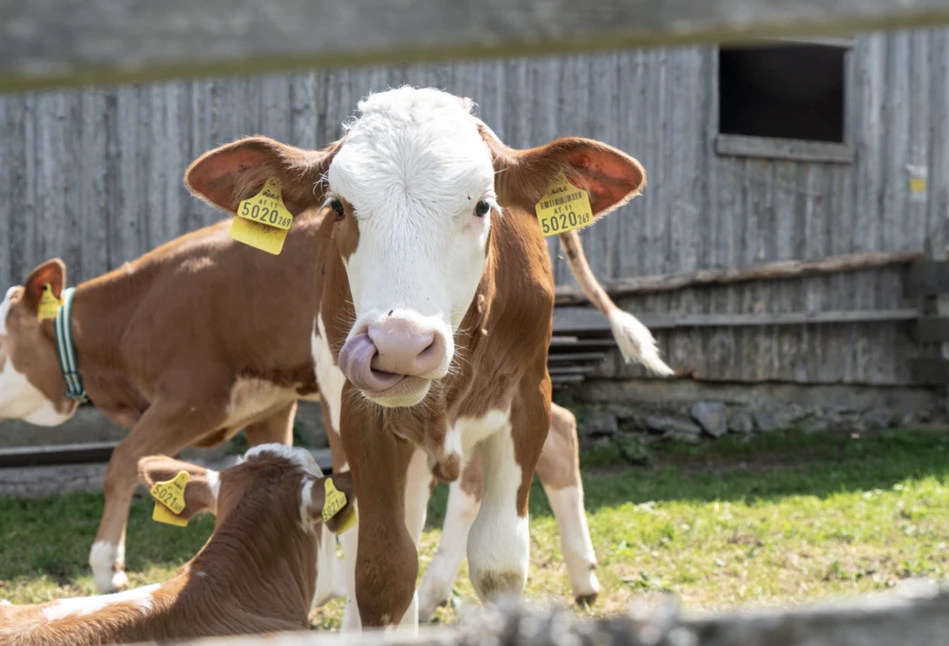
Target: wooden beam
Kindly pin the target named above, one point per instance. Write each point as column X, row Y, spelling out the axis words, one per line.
column 927, row 278
column 56, row 43
column 929, row 372
column 567, row 294
column 586, row 320
column 932, row 329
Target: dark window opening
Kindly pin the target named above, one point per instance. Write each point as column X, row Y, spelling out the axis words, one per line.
column 782, row 91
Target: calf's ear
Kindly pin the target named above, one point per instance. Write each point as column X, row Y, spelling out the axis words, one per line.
column 52, row 273
column 231, row 173
column 201, row 489
column 343, row 517
column 611, row 177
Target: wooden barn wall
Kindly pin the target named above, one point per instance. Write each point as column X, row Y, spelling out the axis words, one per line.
column 95, row 177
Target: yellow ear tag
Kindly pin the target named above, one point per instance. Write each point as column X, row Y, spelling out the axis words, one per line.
column 49, row 304
column 263, row 220
column 334, row 501
column 563, row 207
column 170, row 500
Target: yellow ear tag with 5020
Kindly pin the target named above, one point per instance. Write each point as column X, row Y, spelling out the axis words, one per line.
column 563, row 207
column 333, row 502
column 49, row 304
column 263, row 220
column 170, row 500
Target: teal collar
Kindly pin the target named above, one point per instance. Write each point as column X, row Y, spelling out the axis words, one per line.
column 62, row 328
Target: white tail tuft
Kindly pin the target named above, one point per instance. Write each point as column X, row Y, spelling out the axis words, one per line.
column 636, row 342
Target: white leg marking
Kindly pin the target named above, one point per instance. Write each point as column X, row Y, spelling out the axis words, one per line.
column 329, row 377
column 441, row 574
column 214, row 484
column 417, row 482
column 61, row 608
column 330, row 575
column 499, row 542
column 567, row 505
column 103, row 557
column 351, row 620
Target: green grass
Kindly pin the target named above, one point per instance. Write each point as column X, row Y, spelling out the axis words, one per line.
column 776, row 519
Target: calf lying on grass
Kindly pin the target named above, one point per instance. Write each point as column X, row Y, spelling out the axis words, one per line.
column 257, row 572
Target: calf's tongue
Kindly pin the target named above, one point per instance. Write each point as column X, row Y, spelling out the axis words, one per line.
column 355, row 360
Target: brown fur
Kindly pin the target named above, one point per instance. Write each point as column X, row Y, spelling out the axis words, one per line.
column 256, row 574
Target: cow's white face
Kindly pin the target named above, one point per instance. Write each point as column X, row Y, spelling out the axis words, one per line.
column 31, row 384
column 414, row 186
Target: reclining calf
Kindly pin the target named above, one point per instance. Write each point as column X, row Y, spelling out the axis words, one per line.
column 435, row 302
column 257, row 572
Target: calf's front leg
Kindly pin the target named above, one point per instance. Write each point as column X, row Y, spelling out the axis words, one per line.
column 165, row 428
column 386, row 557
column 499, row 542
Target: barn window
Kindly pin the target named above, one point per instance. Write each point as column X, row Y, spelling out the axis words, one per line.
column 784, row 100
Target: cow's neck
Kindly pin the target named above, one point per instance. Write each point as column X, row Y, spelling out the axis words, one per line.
column 279, row 560
column 101, row 312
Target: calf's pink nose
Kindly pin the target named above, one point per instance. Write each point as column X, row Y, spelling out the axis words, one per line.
column 405, row 347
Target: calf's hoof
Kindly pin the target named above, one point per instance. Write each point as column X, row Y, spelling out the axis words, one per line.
column 587, row 599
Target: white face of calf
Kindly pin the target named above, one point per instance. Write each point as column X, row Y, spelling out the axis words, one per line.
column 31, row 383
column 415, row 182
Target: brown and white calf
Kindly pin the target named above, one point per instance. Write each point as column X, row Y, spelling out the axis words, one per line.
column 255, row 574
column 435, row 301
column 186, row 345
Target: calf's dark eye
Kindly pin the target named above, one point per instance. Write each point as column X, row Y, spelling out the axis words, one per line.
column 482, row 208
column 338, row 208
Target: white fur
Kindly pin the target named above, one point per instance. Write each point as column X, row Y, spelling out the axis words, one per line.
column 20, row 399
column 578, row 554
column 499, row 541
column 443, row 570
column 474, row 430
column 306, row 497
column 142, row 597
column 329, row 377
column 251, row 396
column 453, row 444
column 636, row 342
column 297, row 455
column 351, row 621
column 414, row 167
column 214, row 484
column 102, row 558
column 330, row 575
column 5, row 310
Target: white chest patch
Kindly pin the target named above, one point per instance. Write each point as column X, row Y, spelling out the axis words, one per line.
column 250, row 397
column 141, row 597
column 328, row 375
column 469, row 431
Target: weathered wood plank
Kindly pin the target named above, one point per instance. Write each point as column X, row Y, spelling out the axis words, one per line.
column 787, row 149
column 47, row 43
column 584, row 320
column 765, row 271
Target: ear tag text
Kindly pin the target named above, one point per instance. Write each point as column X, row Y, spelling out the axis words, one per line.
column 170, row 500
column 563, row 207
column 334, row 501
column 49, row 304
column 263, row 220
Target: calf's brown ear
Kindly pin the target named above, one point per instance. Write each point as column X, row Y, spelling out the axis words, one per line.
column 610, row 176
column 201, row 489
column 229, row 174
column 342, row 509
column 52, row 273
